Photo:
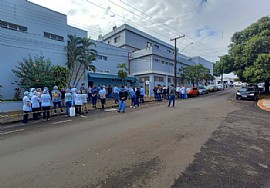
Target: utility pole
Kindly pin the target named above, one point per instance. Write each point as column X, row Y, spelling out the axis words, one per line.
column 175, row 57
column 222, row 71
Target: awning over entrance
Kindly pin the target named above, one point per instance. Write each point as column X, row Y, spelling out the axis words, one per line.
column 109, row 76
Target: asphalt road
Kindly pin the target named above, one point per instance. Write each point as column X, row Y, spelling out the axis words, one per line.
column 209, row 141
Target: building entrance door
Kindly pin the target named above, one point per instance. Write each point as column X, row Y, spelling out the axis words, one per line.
column 90, row 83
column 147, row 89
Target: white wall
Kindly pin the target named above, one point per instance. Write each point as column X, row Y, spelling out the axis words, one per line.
column 113, row 55
column 16, row 45
column 137, row 66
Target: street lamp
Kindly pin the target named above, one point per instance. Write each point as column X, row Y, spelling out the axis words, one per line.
column 222, row 69
column 186, row 47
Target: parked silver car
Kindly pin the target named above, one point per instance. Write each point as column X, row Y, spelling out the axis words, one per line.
column 203, row 90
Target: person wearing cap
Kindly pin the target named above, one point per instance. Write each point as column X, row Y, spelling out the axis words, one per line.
column 73, row 92
column 56, row 99
column 32, row 90
column 78, row 103
column 123, row 95
column 35, row 102
column 132, row 97
column 82, row 88
column 142, row 94
column 68, row 100
column 172, row 95
column 102, row 96
column 26, row 107
column 46, row 104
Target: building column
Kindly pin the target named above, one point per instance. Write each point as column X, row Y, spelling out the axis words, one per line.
column 166, row 78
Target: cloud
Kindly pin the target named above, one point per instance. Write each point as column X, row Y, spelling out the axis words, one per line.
column 209, row 24
column 72, row 12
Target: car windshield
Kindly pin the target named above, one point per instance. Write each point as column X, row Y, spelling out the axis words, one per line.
column 188, row 89
column 246, row 89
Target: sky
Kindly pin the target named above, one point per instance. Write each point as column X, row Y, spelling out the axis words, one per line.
column 207, row 25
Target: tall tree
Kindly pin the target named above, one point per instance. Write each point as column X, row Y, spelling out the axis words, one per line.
column 249, row 53
column 223, row 66
column 196, row 73
column 80, row 57
column 85, row 58
column 122, row 73
column 73, row 53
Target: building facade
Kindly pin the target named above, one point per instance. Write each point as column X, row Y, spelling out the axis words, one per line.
column 151, row 60
column 29, row 29
column 107, row 59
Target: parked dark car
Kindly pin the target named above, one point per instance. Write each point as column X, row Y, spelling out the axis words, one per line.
column 249, row 93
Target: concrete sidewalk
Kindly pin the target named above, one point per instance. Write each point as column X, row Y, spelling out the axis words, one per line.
column 9, row 106
column 264, row 104
column 14, row 114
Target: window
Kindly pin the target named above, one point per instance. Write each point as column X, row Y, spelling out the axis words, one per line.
column 169, row 51
column 53, row 36
column 167, row 63
column 162, row 62
column 159, row 79
column 156, row 60
column 157, row 46
column 116, row 39
column 148, row 44
column 169, row 80
column 12, row 26
column 171, row 64
column 143, row 79
column 101, row 57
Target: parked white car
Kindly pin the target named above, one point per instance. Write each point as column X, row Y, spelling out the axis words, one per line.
column 238, row 84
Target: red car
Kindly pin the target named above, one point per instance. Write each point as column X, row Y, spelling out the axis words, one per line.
column 192, row 92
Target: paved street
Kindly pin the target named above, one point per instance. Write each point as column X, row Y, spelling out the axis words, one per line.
column 212, row 140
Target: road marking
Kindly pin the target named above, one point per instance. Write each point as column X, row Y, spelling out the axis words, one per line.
column 9, row 132
column 58, row 122
column 83, row 116
column 111, row 109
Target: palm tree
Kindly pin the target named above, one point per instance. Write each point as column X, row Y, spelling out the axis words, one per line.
column 122, row 73
column 80, row 57
column 72, row 54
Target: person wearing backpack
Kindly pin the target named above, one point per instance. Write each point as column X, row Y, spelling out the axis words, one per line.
column 56, row 99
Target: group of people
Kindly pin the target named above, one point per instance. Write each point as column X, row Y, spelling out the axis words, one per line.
column 38, row 101
column 163, row 93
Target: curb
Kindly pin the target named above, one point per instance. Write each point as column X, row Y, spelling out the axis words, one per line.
column 106, row 107
column 261, row 105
